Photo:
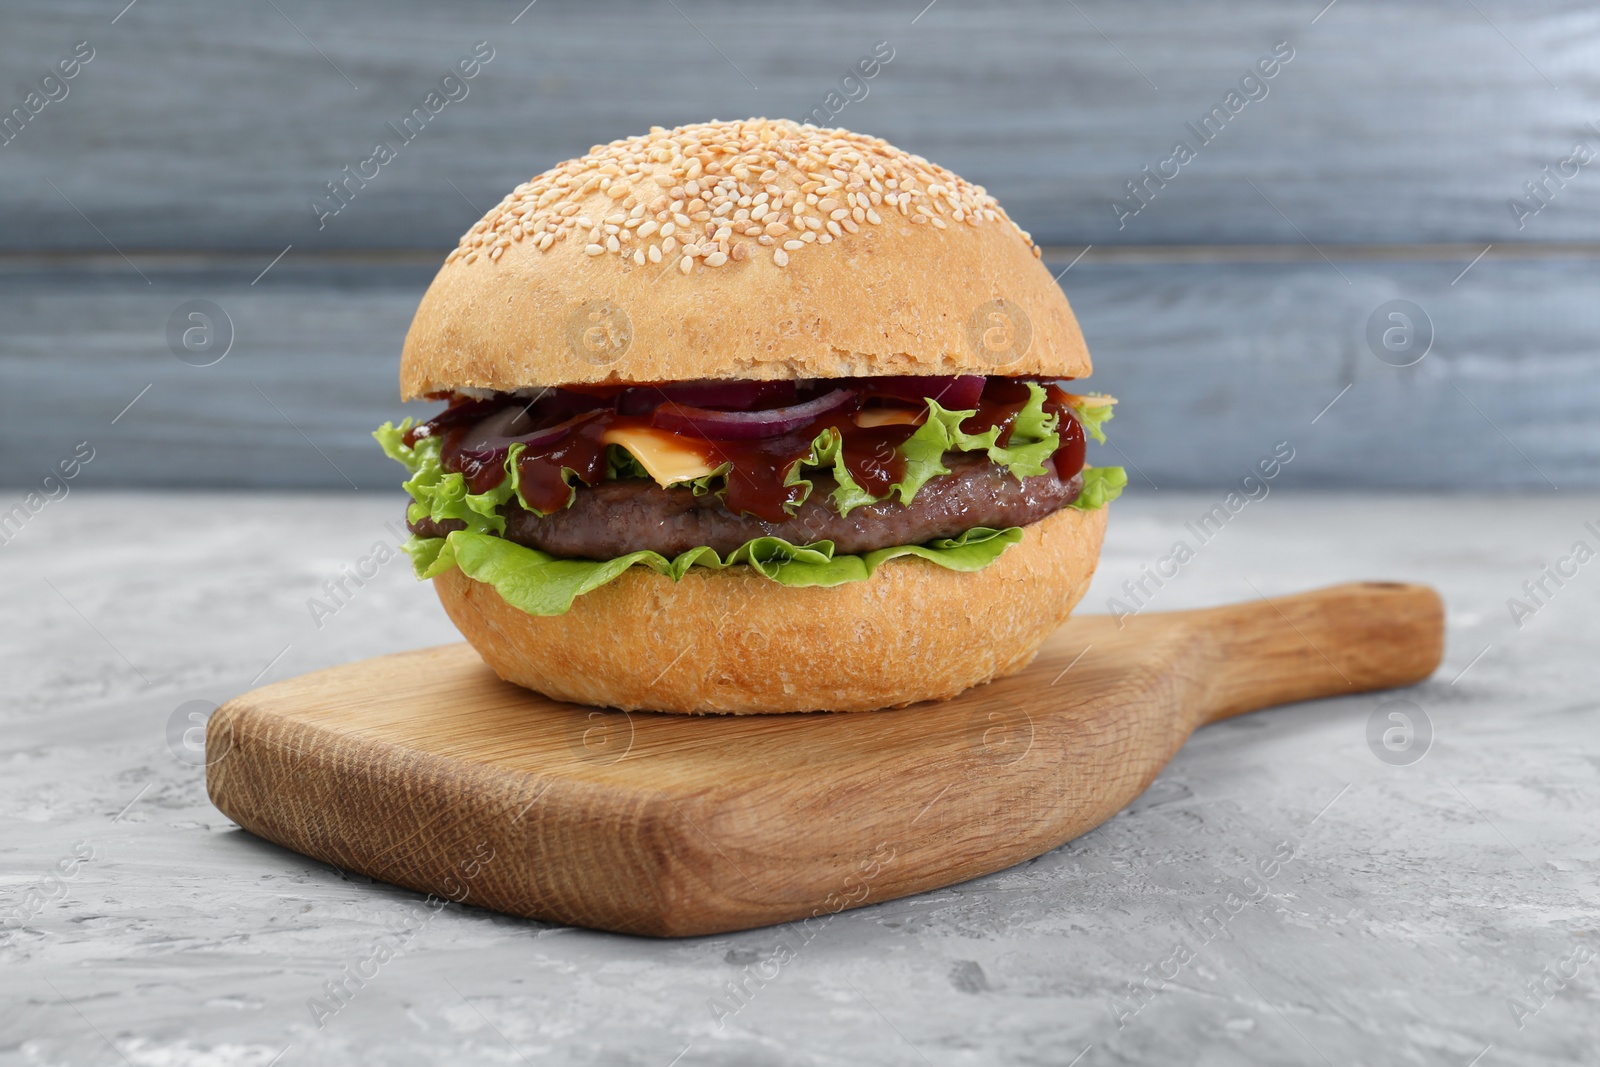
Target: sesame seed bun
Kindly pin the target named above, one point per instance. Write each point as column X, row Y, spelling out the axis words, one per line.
column 733, row 642
column 872, row 262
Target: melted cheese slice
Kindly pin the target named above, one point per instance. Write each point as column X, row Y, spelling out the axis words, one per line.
column 667, row 457
column 888, row 417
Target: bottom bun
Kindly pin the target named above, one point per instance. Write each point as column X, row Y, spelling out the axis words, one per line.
column 733, row 642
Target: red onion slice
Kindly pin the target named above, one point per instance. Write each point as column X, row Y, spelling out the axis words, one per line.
column 709, row 393
column 748, row 425
column 490, row 440
column 953, row 392
column 459, row 413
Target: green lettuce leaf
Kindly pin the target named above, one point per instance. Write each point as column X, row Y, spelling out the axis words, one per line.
column 1093, row 418
column 541, row 584
column 440, row 496
column 1033, row 440
column 1101, row 485
column 620, row 463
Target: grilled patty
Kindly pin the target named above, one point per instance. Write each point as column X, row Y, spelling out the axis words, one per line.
column 617, row 517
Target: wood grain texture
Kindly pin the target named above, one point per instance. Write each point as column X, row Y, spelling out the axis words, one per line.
column 424, row 770
column 203, row 125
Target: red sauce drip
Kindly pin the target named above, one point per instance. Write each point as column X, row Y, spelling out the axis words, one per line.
column 1002, row 400
column 757, row 472
column 1069, row 455
column 1074, row 447
column 872, row 455
column 539, row 471
column 757, row 468
column 459, row 413
column 480, row 477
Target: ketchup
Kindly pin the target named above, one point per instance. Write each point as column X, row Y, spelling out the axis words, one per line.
column 539, row 471
column 872, row 454
column 1074, row 446
column 461, row 412
column 1002, row 400
column 758, row 467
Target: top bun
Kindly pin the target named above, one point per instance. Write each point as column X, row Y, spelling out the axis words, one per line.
column 662, row 258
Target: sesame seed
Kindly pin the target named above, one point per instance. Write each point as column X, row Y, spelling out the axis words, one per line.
column 686, row 264
column 716, row 259
column 781, row 258
column 726, row 179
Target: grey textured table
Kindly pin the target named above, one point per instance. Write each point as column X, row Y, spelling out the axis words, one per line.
column 1420, row 904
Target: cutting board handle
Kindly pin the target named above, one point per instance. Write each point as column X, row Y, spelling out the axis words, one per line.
column 1331, row 642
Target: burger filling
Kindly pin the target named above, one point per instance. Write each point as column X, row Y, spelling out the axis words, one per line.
column 550, row 495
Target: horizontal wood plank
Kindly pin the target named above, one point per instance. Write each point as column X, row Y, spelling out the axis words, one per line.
column 199, row 125
column 1215, row 364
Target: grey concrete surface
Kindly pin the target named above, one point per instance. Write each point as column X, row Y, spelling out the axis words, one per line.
column 1420, row 904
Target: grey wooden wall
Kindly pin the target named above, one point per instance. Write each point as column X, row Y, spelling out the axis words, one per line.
column 1228, row 312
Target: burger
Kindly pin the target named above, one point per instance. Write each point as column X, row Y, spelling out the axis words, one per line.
column 751, row 417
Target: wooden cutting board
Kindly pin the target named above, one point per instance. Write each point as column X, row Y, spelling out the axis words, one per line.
column 425, row 770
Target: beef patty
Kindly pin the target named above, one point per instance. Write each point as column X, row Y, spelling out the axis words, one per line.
column 617, row 517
